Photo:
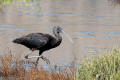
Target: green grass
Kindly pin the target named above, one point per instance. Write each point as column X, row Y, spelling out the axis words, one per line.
column 106, row 67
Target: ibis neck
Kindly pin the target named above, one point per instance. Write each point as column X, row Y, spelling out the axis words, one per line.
column 58, row 40
column 58, row 37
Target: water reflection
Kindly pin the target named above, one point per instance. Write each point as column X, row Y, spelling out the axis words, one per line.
column 6, row 2
column 10, row 2
column 115, row 2
column 31, row 6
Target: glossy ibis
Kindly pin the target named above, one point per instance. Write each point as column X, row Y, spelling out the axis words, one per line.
column 41, row 42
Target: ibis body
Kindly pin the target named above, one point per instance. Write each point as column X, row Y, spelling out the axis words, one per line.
column 41, row 41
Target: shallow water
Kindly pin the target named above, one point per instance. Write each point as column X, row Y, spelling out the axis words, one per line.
column 92, row 24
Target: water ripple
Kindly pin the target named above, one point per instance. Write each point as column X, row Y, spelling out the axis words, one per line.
column 6, row 25
column 95, row 48
column 111, row 32
column 84, row 32
column 15, row 29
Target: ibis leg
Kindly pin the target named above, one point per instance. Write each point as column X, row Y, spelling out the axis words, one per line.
column 43, row 58
column 38, row 57
column 37, row 60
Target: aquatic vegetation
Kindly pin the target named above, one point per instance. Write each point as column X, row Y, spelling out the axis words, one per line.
column 105, row 67
column 10, row 2
column 33, row 5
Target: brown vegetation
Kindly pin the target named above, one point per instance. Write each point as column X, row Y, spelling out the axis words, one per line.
column 16, row 71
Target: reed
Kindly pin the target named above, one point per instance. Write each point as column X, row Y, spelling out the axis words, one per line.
column 11, row 69
column 105, row 67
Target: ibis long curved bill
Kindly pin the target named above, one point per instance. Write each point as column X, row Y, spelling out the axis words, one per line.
column 69, row 38
column 42, row 42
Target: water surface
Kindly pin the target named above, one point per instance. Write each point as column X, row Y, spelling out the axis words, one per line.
column 92, row 24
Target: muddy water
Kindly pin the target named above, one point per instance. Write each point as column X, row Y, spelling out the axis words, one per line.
column 92, row 24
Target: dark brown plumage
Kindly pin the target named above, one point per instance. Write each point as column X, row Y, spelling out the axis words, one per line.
column 41, row 42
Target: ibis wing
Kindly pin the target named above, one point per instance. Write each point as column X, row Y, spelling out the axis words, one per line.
column 35, row 40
